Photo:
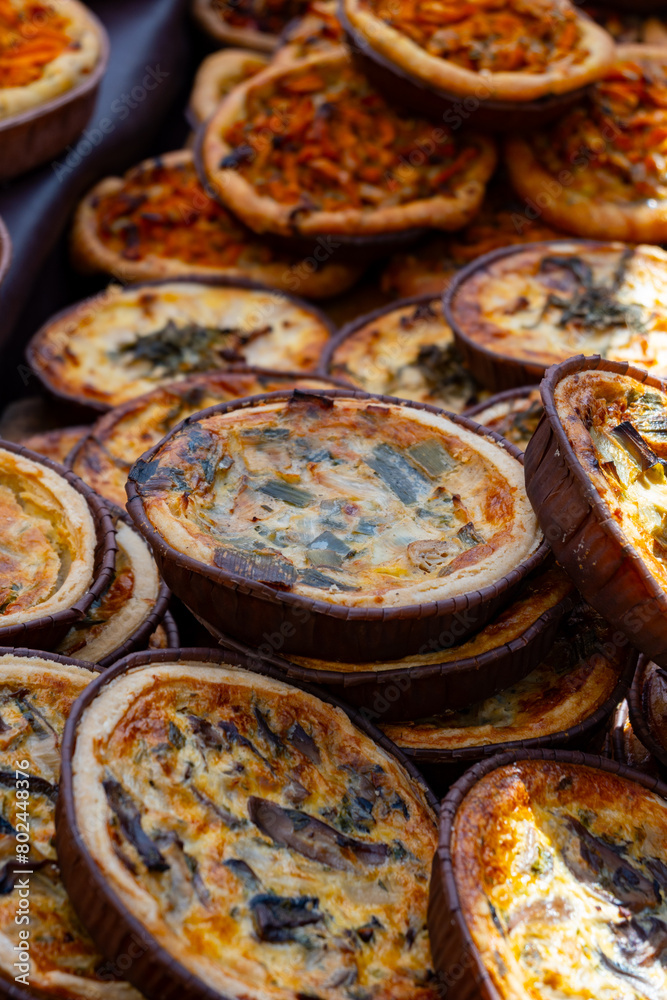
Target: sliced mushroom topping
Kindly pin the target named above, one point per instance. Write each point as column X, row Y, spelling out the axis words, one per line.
column 312, row 838
column 127, row 813
column 275, row 918
column 39, row 786
column 305, row 743
column 603, row 865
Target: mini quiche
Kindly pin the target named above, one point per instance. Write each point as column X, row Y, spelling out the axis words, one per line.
column 485, row 49
column 308, row 148
column 125, row 342
column 552, row 874
column 217, row 76
column 36, row 697
column 578, row 683
column 600, row 172
column 49, row 536
column 518, row 311
column 357, row 507
column 595, row 474
column 429, row 267
column 46, row 49
column 56, row 444
column 106, row 454
column 406, row 349
column 262, row 842
column 127, row 612
column 256, row 24
column 513, row 414
column 627, row 27
column 158, row 221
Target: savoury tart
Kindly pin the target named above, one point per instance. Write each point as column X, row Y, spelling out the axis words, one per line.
column 37, row 692
column 318, row 30
column 550, row 866
column 254, row 24
column 52, row 59
column 430, row 266
column 405, row 349
column 158, row 221
column 599, row 173
column 104, row 457
column 444, row 675
column 596, row 480
column 58, row 548
column 129, row 610
column 5, row 251
column 331, row 184
column 488, row 64
column 125, row 342
column 566, row 697
column 291, row 860
column 217, row 76
column 514, row 414
column 519, row 310
column 370, row 521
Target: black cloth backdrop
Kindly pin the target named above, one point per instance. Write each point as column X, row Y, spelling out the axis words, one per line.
column 154, row 48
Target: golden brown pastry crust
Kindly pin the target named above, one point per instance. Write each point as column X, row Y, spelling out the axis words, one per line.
column 585, row 51
column 264, row 213
column 218, row 75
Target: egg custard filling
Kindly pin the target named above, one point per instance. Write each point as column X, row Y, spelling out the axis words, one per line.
column 36, row 698
column 126, row 342
column 46, row 49
column 47, row 541
column 267, row 844
column 355, row 502
column 121, row 436
column 618, row 429
column 561, row 872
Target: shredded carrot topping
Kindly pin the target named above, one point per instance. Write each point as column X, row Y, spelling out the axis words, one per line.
column 163, row 211
column 493, row 35
column 323, row 139
column 31, row 37
column 268, row 16
column 618, row 137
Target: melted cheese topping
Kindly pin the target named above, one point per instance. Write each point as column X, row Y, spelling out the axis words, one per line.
column 626, row 27
column 543, row 305
column 632, row 483
column 408, row 352
column 126, row 603
column 562, row 876
column 46, row 49
column 516, row 418
column 309, row 495
column 575, row 679
column 127, row 341
column 119, row 438
column 538, row 595
column 613, row 144
column 36, row 697
column 266, row 843
column 342, row 145
column 47, row 541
